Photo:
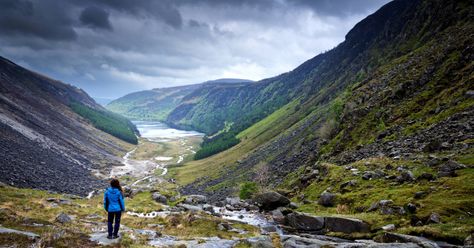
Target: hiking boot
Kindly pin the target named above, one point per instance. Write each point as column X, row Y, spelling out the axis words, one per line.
column 115, row 236
column 110, row 237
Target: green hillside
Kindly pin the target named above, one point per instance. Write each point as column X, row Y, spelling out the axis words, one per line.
column 394, row 99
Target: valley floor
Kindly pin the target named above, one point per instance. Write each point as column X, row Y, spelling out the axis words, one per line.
column 158, row 216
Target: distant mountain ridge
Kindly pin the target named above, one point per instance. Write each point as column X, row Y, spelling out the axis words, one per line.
column 157, row 103
column 44, row 142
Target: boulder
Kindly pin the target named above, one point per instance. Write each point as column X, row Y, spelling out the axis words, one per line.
column 189, row 207
column 304, row 222
column 159, row 198
column 278, row 216
column 195, row 199
column 345, row 225
column 449, row 168
column 63, row 218
column 405, row 176
column 271, row 200
column 403, row 238
column 327, row 199
column 260, row 242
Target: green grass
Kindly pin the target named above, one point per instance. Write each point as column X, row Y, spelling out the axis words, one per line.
column 451, row 197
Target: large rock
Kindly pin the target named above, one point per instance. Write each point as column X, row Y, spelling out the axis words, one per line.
column 345, row 225
column 271, row 200
column 101, row 239
column 159, row 198
column 403, row 238
column 327, row 199
column 189, row 207
column 63, row 218
column 195, row 199
column 29, row 235
column 304, row 222
column 405, row 176
column 449, row 168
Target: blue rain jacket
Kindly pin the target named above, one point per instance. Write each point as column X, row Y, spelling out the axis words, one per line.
column 113, row 200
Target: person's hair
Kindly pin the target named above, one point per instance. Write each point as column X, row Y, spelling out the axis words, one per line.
column 115, row 184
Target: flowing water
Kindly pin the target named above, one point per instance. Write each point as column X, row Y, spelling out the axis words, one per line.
column 143, row 170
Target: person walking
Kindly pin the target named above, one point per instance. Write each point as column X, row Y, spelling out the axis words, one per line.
column 114, row 204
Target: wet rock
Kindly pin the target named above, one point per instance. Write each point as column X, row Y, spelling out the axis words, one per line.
column 30, row 235
column 327, row 199
column 159, row 198
column 345, row 225
column 305, row 222
column 101, row 239
column 402, row 238
column 434, row 218
column 278, row 216
column 260, row 242
column 195, row 199
column 271, row 200
column 232, row 201
column 63, row 218
column 208, row 208
column 191, row 208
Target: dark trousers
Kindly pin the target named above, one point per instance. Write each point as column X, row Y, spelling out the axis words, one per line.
column 110, row 220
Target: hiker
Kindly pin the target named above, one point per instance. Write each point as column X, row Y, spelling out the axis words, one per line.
column 114, row 204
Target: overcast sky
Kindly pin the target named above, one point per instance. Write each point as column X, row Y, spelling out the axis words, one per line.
column 113, row 47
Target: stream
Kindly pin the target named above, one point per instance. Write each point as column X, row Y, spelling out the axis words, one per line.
column 143, row 170
column 144, row 173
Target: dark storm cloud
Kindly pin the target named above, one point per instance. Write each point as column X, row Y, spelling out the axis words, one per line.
column 45, row 20
column 113, row 47
column 338, row 7
column 95, row 17
column 164, row 10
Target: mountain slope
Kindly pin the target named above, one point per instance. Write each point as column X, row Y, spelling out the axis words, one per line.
column 156, row 104
column 44, row 143
column 397, row 87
